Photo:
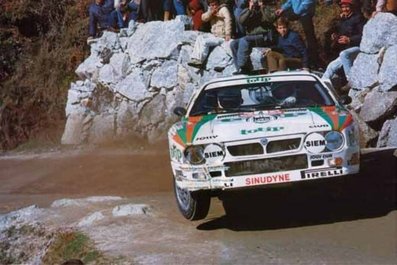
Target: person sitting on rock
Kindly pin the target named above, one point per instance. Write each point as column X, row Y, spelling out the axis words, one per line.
column 258, row 20
column 345, row 32
column 290, row 51
column 126, row 11
column 196, row 9
column 100, row 16
column 221, row 28
column 346, row 38
column 303, row 11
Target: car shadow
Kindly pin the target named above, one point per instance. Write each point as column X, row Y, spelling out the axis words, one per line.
column 370, row 194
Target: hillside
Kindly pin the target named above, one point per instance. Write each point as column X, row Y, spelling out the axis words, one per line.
column 41, row 44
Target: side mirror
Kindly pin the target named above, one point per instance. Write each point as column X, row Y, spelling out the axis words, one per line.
column 345, row 100
column 179, row 111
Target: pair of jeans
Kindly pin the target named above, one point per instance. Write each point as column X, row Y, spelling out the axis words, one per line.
column 242, row 48
column 180, row 7
column 345, row 61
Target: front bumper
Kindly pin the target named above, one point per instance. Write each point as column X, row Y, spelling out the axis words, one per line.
column 215, row 177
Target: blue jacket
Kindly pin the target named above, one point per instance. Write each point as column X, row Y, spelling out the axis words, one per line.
column 292, row 46
column 100, row 16
column 300, row 7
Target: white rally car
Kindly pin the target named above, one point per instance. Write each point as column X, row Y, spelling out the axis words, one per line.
column 246, row 131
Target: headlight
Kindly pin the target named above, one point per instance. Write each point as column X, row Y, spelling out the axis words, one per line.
column 334, row 140
column 195, row 154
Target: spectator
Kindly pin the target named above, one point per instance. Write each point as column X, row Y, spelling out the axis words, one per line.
column 258, row 20
column 303, row 10
column 180, row 7
column 167, row 8
column 293, row 52
column 346, row 31
column 343, row 62
column 100, row 16
column 221, row 26
column 126, row 11
column 238, row 7
column 196, row 10
column 386, row 6
column 151, row 10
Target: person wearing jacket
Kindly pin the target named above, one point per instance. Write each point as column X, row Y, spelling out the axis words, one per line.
column 257, row 20
column 100, row 17
column 345, row 38
column 346, row 31
column 303, row 10
column 221, row 27
column 290, row 51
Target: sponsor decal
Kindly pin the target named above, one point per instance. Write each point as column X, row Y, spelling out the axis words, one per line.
column 209, row 137
column 321, row 174
column 320, row 157
column 319, row 126
column 258, row 79
column 191, row 126
column 262, row 129
column 335, row 118
column 277, row 178
column 260, row 119
column 213, row 153
column 196, row 169
column 315, row 143
column 175, row 153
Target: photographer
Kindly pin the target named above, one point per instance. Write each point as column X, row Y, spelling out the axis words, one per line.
column 258, row 21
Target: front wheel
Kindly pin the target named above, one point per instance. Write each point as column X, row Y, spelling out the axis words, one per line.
column 193, row 205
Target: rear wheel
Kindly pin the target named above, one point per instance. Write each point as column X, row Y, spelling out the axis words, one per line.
column 193, row 205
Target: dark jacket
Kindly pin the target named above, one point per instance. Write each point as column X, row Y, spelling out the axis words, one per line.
column 100, row 16
column 258, row 21
column 292, row 46
column 351, row 27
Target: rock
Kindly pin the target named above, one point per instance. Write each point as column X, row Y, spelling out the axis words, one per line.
column 380, row 31
column 388, row 69
column 91, row 219
column 166, row 75
column 145, row 44
column 218, row 59
column 131, row 210
column 378, row 105
column 102, row 128
column 135, row 86
column 72, row 135
column 84, row 201
column 388, row 134
column 364, row 72
column 367, row 134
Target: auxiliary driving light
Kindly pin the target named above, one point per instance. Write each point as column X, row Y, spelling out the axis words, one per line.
column 336, row 162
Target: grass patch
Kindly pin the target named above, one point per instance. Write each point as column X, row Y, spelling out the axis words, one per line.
column 73, row 245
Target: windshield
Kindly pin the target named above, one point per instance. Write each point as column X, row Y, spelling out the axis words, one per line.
column 263, row 96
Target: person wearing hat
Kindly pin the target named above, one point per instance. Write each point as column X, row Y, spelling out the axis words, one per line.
column 345, row 31
column 345, row 38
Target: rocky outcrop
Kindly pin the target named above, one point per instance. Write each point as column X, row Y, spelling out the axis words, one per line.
column 132, row 81
column 374, row 77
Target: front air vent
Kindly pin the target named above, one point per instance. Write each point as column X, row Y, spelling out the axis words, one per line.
column 283, row 145
column 268, row 165
column 246, row 149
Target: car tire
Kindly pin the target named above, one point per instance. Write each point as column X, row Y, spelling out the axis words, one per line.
column 193, row 205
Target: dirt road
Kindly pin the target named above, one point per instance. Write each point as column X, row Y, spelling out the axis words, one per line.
column 350, row 222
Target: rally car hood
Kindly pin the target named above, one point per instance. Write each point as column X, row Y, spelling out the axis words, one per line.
column 241, row 126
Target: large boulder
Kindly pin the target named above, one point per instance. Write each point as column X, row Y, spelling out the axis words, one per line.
column 379, row 32
column 378, row 106
column 388, row 134
column 388, row 70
